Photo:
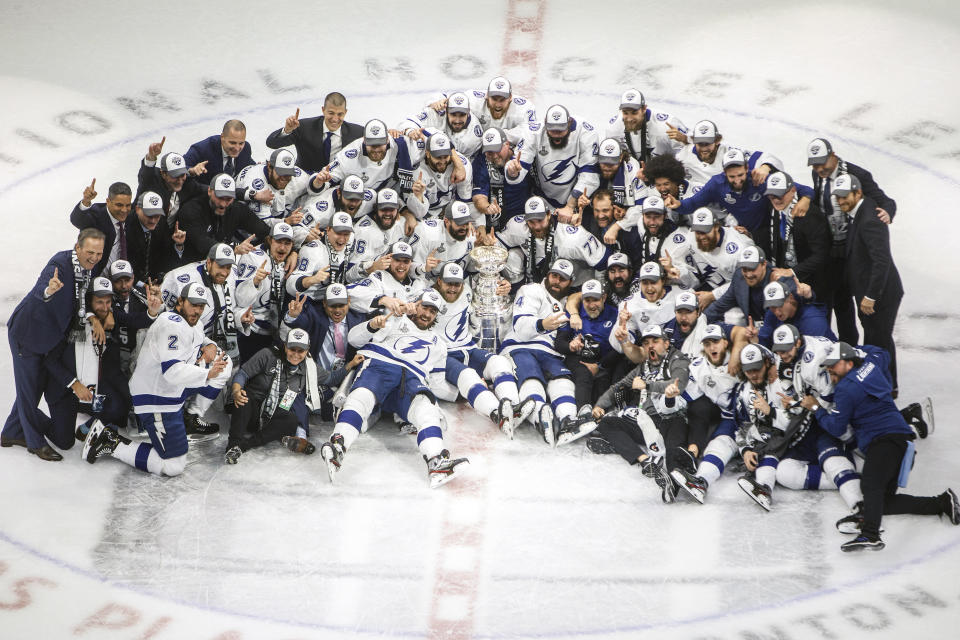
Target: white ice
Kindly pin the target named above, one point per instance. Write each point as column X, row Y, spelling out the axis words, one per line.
column 534, row 542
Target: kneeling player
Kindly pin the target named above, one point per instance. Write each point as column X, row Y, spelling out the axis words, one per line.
column 400, row 352
column 466, row 362
column 175, row 363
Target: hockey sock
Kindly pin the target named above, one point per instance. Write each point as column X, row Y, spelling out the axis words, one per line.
column 561, row 393
column 766, row 473
column 475, row 391
column 720, row 450
column 425, row 415
column 356, row 410
column 839, row 470
column 797, row 474
column 533, row 388
column 500, row 372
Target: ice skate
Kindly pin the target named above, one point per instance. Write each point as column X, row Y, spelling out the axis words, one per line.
column 952, row 508
column 523, row 411
column 761, row 493
column 332, row 454
column 442, row 469
column 504, row 416
column 657, row 470
column 927, row 405
column 574, row 428
column 692, row 484
column 862, row 542
column 198, row 429
column 913, row 414
column 232, row 456
column 100, row 442
column 599, row 445
column 545, row 425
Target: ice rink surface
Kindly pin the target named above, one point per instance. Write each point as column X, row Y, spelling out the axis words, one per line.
column 534, row 542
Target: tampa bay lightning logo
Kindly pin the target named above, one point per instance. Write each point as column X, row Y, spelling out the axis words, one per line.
column 456, row 326
column 560, row 171
column 322, row 206
column 350, row 153
column 755, row 197
column 257, row 184
column 183, row 278
column 808, row 356
column 732, row 248
column 416, row 349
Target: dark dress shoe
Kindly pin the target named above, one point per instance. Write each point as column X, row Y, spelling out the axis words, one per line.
column 46, row 452
column 12, row 442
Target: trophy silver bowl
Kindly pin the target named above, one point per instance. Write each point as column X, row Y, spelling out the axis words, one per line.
column 490, row 312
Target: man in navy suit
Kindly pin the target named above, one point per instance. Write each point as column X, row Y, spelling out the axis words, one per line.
column 52, row 312
column 110, row 217
column 227, row 153
column 319, row 139
column 327, row 324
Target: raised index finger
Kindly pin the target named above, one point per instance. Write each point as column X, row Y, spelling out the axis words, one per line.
column 296, row 116
column 55, row 271
column 93, row 182
column 162, row 140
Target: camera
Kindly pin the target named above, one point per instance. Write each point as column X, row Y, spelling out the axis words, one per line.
column 591, row 350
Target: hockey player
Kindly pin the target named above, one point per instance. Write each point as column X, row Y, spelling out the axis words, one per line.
column 175, row 363
column 562, row 155
column 286, row 181
column 400, row 351
column 380, row 160
column 327, row 260
column 537, row 314
column 654, row 305
column 621, row 283
column 376, row 232
column 735, row 192
column 705, row 258
column 455, row 120
column 864, row 403
column 653, row 431
column 443, row 241
column 780, row 444
column 349, row 197
column 390, row 288
column 685, row 329
column 434, row 188
column 787, row 302
column 264, row 279
column 703, row 158
column 493, row 196
column 647, row 239
column 618, row 174
column 536, row 239
column 133, row 309
column 220, row 284
column 467, row 364
column 643, row 132
column 710, row 402
column 497, row 106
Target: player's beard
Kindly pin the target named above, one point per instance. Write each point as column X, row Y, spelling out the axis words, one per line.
column 559, row 143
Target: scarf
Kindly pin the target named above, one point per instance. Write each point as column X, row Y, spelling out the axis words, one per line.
column 81, row 282
column 497, row 185
column 224, row 324
column 403, row 168
column 338, row 266
column 644, row 154
column 277, row 290
column 536, row 270
column 273, row 398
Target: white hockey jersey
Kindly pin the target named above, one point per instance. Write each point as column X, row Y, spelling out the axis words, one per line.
column 751, row 424
column 365, row 293
column 809, row 376
column 532, row 304
column 697, row 170
column 714, row 382
column 713, row 268
column 520, row 112
column 573, row 243
column 232, row 299
column 560, row 172
column 318, row 254
column 254, row 177
column 453, row 322
column 167, row 368
column 268, row 297
column 644, row 312
column 401, row 342
column 372, row 241
column 634, row 215
column 439, row 192
column 319, row 208
column 353, row 159
column 431, row 236
column 658, row 142
column 467, row 141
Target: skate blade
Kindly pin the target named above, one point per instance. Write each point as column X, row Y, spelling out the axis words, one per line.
column 95, row 428
column 202, row 437
column 694, row 492
column 332, row 466
column 927, row 408
column 440, row 479
column 508, row 427
column 748, row 489
column 585, row 429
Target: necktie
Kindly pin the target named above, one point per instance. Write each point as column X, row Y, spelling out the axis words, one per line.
column 122, row 234
column 229, row 167
column 827, row 205
column 146, row 242
column 326, row 144
column 338, row 343
column 783, row 225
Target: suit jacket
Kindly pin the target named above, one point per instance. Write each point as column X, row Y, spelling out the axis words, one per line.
column 812, row 242
column 315, row 321
column 204, row 228
column 308, row 140
column 870, row 270
column 870, row 187
column 211, row 150
column 37, row 325
column 149, row 179
column 98, row 217
column 737, row 295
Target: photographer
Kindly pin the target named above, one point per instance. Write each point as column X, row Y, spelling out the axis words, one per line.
column 587, row 351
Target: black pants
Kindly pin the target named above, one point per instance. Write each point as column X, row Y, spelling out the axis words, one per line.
column 703, row 416
column 244, row 426
column 878, row 330
column 878, row 481
column 841, row 301
column 627, row 438
column 587, row 387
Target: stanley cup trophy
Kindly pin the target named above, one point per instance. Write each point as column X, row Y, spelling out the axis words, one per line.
column 490, row 311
